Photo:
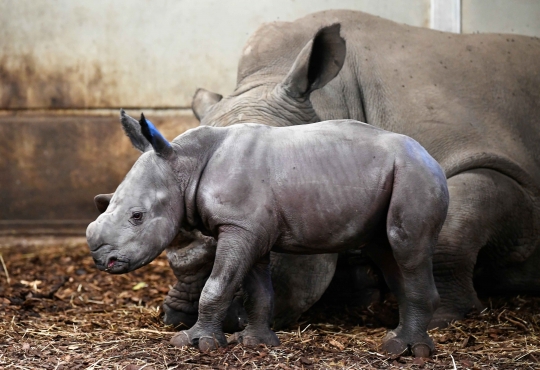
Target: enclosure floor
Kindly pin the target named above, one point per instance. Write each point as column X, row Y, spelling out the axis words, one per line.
column 59, row 312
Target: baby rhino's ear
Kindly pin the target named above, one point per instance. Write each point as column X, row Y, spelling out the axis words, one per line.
column 160, row 145
column 102, row 201
column 133, row 131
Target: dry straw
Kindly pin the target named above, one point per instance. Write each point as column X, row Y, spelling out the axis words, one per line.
column 96, row 321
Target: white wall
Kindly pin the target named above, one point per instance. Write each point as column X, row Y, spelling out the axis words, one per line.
column 155, row 53
column 141, row 53
column 501, row 16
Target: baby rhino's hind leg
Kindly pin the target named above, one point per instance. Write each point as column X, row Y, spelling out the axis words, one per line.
column 259, row 304
column 414, row 220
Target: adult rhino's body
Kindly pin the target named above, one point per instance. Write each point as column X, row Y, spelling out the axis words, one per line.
column 473, row 101
column 321, row 188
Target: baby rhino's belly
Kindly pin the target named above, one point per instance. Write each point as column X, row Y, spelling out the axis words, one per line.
column 333, row 228
column 334, row 202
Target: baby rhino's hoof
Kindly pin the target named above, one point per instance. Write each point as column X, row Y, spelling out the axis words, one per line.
column 208, row 344
column 205, row 343
column 253, row 339
column 421, row 350
column 181, row 339
column 394, row 345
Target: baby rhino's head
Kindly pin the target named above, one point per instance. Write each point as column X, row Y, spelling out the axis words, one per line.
column 143, row 216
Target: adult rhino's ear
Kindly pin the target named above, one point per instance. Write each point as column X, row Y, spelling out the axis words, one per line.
column 133, row 131
column 160, row 145
column 102, row 201
column 317, row 64
column 202, row 101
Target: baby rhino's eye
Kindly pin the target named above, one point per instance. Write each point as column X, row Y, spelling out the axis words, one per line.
column 136, row 217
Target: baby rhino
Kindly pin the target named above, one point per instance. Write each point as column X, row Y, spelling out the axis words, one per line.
column 319, row 188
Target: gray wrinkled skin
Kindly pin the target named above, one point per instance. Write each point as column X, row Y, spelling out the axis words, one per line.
column 473, row 101
column 322, row 188
column 191, row 257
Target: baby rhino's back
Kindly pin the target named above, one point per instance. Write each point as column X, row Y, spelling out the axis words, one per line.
column 322, row 187
column 332, row 182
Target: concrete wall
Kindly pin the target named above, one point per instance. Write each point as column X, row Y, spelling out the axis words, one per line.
column 141, row 53
column 501, row 16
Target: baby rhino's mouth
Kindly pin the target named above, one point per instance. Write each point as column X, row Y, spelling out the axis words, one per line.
column 116, row 266
column 112, row 262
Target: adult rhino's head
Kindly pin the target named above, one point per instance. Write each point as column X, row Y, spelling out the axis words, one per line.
column 266, row 92
column 143, row 215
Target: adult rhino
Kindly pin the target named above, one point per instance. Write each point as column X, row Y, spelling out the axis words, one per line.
column 473, row 101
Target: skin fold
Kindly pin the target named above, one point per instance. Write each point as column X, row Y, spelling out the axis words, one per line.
column 321, row 188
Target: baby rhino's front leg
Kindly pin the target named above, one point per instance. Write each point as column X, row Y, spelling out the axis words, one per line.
column 236, row 255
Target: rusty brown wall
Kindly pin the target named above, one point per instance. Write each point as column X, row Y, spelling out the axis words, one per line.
column 52, row 165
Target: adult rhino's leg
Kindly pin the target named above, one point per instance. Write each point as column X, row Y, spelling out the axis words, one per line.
column 489, row 212
column 511, row 271
column 191, row 259
column 357, row 281
column 299, row 281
